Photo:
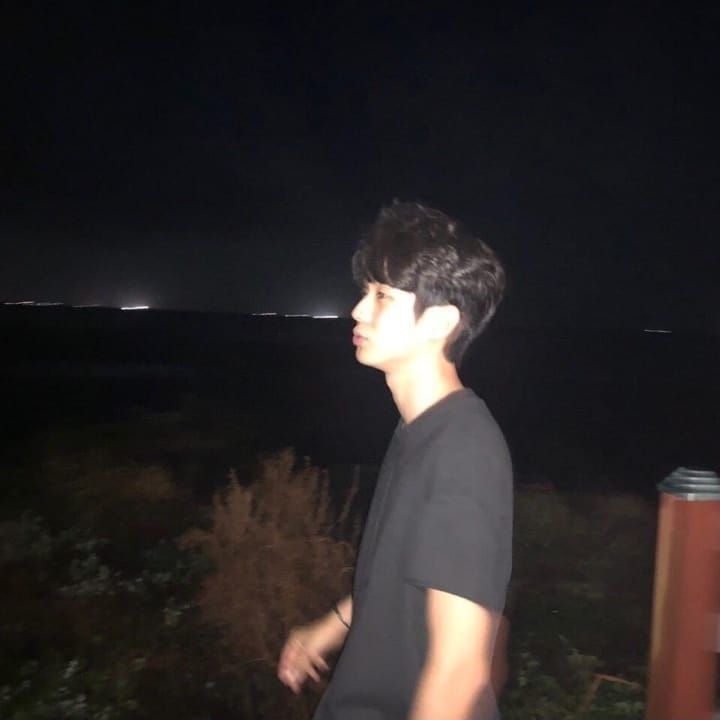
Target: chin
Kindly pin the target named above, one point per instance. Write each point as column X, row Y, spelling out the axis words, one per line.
column 367, row 360
column 364, row 361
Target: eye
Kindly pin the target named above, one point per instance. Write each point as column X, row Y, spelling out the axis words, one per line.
column 377, row 292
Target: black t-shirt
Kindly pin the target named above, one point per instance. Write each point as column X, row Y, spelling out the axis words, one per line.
column 441, row 517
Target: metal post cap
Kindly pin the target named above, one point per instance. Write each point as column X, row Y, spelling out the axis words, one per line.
column 691, row 484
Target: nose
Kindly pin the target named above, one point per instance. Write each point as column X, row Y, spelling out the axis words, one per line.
column 360, row 311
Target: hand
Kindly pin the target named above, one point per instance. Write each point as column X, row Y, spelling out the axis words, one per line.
column 302, row 655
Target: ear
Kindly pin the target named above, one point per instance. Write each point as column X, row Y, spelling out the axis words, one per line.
column 439, row 321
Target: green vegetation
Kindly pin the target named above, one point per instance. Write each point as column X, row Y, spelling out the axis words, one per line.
column 582, row 596
column 132, row 591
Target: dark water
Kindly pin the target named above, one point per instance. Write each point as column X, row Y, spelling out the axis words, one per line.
column 616, row 410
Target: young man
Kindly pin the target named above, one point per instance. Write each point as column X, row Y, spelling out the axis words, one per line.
column 419, row 629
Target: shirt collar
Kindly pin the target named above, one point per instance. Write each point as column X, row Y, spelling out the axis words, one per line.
column 431, row 416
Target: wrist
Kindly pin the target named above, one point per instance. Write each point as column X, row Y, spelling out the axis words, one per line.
column 333, row 630
column 338, row 614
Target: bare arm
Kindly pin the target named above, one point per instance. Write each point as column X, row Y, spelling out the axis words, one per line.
column 334, row 632
column 308, row 646
column 345, row 607
column 456, row 679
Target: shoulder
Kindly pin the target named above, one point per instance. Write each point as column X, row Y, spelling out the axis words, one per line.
column 470, row 420
column 470, row 434
column 470, row 454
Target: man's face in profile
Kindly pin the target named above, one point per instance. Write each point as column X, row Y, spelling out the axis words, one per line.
column 386, row 335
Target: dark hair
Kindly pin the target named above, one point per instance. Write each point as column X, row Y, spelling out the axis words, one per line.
column 421, row 250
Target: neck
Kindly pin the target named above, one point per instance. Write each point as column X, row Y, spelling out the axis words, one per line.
column 419, row 385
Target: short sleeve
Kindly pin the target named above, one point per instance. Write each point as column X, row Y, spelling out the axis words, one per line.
column 461, row 544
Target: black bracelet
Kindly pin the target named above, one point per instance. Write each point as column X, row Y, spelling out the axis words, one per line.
column 337, row 612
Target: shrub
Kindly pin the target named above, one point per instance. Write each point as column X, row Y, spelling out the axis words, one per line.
column 277, row 565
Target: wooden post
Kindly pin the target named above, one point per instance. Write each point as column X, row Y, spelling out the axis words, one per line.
column 686, row 602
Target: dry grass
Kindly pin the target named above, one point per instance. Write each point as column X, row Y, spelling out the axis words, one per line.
column 276, row 561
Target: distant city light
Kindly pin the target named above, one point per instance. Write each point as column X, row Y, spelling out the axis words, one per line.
column 295, row 315
column 21, row 302
column 48, row 304
column 136, row 307
column 657, row 330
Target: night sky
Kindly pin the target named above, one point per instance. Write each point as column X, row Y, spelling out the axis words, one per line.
column 205, row 158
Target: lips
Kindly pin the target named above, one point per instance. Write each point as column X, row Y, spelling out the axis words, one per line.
column 358, row 338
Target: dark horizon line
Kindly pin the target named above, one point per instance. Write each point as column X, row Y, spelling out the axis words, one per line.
column 501, row 323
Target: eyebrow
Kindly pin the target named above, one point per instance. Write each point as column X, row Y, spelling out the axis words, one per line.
column 378, row 285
